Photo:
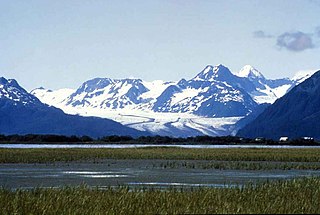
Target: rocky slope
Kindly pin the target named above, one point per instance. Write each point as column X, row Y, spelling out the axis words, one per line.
column 295, row 115
column 23, row 113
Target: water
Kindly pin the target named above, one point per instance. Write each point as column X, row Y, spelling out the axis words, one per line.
column 133, row 173
column 24, row 146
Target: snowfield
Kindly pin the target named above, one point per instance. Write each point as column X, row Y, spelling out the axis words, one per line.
column 169, row 124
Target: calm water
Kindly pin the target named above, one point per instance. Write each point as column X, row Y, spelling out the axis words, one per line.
column 132, row 173
column 22, row 146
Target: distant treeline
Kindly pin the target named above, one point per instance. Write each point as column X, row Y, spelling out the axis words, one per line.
column 39, row 138
column 231, row 140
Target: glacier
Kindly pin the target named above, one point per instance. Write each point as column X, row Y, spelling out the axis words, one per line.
column 211, row 103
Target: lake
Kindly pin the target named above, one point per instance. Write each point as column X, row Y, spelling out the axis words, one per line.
column 133, row 173
column 24, row 146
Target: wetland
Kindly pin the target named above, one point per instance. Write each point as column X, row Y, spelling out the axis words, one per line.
column 159, row 180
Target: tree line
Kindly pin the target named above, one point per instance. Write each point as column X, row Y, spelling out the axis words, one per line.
column 221, row 140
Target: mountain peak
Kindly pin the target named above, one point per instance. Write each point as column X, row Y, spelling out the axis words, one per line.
column 250, row 72
column 300, row 105
column 3, row 80
column 210, row 73
column 11, row 90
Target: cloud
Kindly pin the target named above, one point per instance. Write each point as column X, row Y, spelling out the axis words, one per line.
column 318, row 31
column 295, row 41
column 261, row 34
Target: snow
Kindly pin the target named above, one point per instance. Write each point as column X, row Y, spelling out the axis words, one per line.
column 155, row 88
column 302, row 75
column 171, row 124
column 122, row 88
column 207, row 69
column 11, row 90
column 50, row 97
column 208, row 74
column 184, row 95
column 270, row 95
column 249, row 71
column 231, row 96
column 282, row 90
column 108, row 98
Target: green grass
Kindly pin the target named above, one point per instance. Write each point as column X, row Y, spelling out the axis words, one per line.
column 165, row 153
column 232, row 158
column 240, row 165
column 295, row 196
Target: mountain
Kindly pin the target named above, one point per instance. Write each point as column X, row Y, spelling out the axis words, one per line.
column 210, row 103
column 263, row 90
column 249, row 118
column 208, row 94
column 52, row 97
column 295, row 115
column 104, row 92
column 301, row 76
column 11, row 92
column 23, row 113
column 251, row 73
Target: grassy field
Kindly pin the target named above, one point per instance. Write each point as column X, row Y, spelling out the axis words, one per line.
column 165, row 153
column 292, row 196
column 295, row 196
column 239, row 165
column 232, row 158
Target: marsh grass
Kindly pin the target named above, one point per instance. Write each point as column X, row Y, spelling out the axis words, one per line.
column 294, row 196
column 165, row 153
column 240, row 165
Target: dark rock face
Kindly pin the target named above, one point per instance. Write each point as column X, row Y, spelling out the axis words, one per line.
column 295, row 115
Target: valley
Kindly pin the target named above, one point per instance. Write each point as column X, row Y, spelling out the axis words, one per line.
column 211, row 103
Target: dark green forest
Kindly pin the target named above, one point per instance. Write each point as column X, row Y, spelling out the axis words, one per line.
column 222, row 140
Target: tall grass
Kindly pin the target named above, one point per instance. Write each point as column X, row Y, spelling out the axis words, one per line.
column 240, row 165
column 231, row 154
column 296, row 196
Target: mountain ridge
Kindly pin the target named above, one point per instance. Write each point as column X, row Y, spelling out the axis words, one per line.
column 215, row 92
column 23, row 113
column 295, row 115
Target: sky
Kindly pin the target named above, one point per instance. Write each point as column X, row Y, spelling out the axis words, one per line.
column 62, row 43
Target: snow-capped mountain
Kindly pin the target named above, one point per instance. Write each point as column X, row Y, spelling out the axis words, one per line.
column 52, row 97
column 23, row 113
column 207, row 94
column 301, row 76
column 263, row 90
column 107, row 93
column 11, row 91
column 251, row 73
column 172, row 108
column 295, row 115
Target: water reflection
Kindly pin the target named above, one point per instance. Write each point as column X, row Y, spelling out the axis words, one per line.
column 115, row 146
column 140, row 173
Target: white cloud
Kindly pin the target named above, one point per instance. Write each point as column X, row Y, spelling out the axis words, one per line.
column 295, row 41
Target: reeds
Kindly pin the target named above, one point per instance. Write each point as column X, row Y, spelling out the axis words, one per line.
column 165, row 153
column 239, row 165
column 283, row 197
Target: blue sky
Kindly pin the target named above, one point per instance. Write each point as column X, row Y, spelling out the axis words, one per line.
column 62, row 43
